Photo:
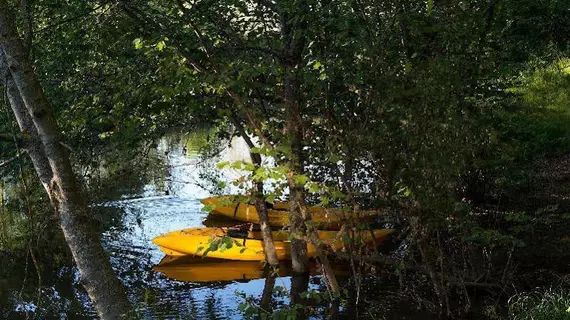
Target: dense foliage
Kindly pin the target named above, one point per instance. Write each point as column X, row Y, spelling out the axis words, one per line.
column 439, row 113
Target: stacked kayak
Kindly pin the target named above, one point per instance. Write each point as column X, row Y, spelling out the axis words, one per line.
column 221, row 241
column 278, row 215
column 226, row 243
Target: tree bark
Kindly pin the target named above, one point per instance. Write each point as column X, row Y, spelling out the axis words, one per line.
column 293, row 127
column 265, row 303
column 294, row 40
column 260, row 206
column 98, row 278
column 298, row 209
column 32, row 143
column 299, row 284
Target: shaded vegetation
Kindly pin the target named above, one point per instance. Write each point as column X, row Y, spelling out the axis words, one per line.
column 452, row 117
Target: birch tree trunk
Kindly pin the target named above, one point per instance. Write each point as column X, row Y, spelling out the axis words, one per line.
column 31, row 143
column 54, row 168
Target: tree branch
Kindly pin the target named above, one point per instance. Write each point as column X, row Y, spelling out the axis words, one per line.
column 28, row 25
column 79, row 16
column 7, row 137
column 197, row 31
column 490, row 14
column 5, row 163
column 139, row 16
column 148, row 25
column 270, row 52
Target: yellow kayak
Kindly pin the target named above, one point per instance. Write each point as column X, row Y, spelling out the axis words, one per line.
column 224, row 243
column 278, row 216
column 197, row 269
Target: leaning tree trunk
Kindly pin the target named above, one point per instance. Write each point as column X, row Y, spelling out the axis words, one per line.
column 98, row 278
column 31, row 143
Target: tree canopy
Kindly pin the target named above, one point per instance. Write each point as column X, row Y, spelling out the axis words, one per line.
column 433, row 111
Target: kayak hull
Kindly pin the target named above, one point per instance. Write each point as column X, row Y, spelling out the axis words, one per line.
column 221, row 243
column 278, row 216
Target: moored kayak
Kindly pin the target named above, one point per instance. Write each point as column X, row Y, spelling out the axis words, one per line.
column 278, row 216
column 225, row 243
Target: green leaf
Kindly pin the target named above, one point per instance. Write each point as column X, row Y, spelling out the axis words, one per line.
column 228, row 242
column 270, row 198
column 301, row 179
column 160, row 45
column 429, row 7
column 138, row 42
column 222, row 165
column 248, row 166
column 250, row 311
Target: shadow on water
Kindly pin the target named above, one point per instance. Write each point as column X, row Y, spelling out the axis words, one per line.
column 163, row 288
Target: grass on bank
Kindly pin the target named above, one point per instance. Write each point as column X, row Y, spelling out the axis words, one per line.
column 552, row 304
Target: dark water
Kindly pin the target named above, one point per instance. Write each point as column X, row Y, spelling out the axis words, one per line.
column 128, row 227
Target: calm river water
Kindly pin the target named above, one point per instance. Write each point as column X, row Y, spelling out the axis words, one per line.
column 128, row 228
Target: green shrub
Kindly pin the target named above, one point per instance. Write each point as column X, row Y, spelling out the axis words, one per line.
column 553, row 304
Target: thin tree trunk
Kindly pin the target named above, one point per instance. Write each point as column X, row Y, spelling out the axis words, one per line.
column 298, row 209
column 320, row 247
column 32, row 143
column 293, row 126
column 260, row 206
column 98, row 278
column 299, row 284
column 269, row 246
column 294, row 39
column 267, row 297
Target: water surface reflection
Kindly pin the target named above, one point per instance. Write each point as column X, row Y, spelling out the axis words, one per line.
column 130, row 225
column 184, row 289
